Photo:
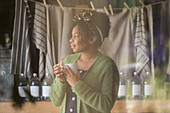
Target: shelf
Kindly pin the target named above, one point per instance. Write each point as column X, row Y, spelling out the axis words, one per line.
column 131, row 106
column 142, row 106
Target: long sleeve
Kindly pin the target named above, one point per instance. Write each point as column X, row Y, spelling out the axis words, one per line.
column 58, row 89
column 57, row 92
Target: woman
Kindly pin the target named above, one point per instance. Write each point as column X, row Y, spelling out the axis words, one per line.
column 93, row 89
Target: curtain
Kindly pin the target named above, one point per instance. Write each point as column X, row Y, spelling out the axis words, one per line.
column 20, row 56
column 59, row 24
column 161, row 38
column 164, row 35
column 150, row 31
column 142, row 44
column 120, row 43
column 39, row 35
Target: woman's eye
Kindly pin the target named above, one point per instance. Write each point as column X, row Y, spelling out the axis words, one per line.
column 76, row 36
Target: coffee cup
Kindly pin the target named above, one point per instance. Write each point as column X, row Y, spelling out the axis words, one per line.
column 73, row 67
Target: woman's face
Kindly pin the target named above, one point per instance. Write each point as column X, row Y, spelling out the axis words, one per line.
column 79, row 42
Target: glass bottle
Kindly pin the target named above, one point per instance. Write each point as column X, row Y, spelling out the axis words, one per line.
column 122, row 87
column 147, row 86
column 136, row 87
column 23, row 87
column 46, row 86
column 35, row 88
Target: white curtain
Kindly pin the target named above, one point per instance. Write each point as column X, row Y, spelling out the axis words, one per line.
column 59, row 24
column 120, row 43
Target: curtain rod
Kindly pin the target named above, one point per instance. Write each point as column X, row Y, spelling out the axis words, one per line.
column 91, row 8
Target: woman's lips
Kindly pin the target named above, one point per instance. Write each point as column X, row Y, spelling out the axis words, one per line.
column 72, row 46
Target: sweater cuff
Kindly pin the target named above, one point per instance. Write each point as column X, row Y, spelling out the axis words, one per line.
column 57, row 81
column 62, row 84
column 77, row 86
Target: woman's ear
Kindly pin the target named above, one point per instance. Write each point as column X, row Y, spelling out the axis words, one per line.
column 93, row 40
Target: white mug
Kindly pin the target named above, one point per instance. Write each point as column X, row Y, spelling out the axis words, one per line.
column 73, row 67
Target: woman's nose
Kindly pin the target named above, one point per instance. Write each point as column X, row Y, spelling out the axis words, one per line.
column 71, row 39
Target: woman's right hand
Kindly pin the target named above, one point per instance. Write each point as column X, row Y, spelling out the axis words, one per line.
column 58, row 72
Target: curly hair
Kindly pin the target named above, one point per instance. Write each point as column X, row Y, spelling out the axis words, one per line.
column 98, row 26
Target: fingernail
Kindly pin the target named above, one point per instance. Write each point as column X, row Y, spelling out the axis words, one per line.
column 56, row 65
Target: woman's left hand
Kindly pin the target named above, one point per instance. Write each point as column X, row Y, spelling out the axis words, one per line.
column 71, row 77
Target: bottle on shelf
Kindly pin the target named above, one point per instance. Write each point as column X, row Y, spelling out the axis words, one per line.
column 46, row 86
column 136, row 85
column 122, row 87
column 148, row 86
column 23, row 87
column 35, row 88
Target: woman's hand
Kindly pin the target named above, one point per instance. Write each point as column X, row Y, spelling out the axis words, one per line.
column 71, row 77
column 58, row 71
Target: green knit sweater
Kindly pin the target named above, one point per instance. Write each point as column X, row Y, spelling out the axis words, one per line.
column 96, row 91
